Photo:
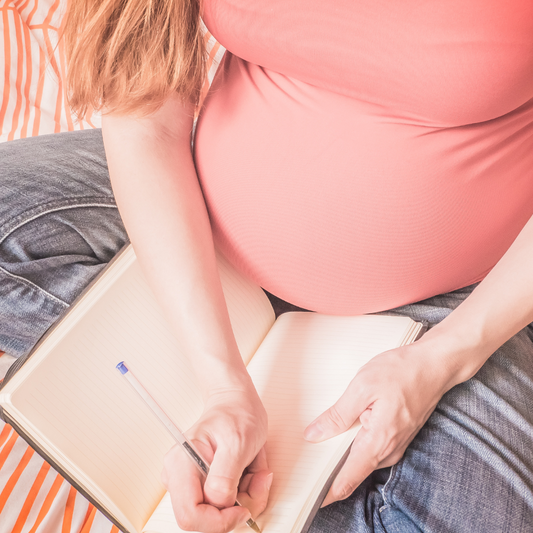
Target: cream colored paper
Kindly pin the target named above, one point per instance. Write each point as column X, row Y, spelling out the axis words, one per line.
column 301, row 369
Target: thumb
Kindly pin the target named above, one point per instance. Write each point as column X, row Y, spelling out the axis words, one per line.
column 337, row 419
column 225, row 472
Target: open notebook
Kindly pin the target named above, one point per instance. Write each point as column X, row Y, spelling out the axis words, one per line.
column 72, row 405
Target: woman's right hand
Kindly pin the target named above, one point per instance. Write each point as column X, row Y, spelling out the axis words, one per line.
column 230, row 435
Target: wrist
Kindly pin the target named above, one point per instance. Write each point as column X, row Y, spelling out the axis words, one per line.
column 456, row 351
column 217, row 374
column 237, row 394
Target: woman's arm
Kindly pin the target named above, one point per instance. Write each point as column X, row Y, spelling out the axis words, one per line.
column 396, row 392
column 161, row 203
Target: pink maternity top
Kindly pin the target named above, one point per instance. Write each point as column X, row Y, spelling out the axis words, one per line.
column 357, row 155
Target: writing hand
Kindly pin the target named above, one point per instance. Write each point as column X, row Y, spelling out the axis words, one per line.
column 230, row 435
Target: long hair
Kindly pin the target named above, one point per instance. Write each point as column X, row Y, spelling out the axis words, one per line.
column 128, row 56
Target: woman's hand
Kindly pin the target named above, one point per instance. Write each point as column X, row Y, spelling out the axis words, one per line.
column 230, row 435
column 392, row 396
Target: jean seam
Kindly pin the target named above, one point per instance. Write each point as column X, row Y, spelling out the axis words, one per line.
column 30, row 217
column 33, row 286
column 389, row 485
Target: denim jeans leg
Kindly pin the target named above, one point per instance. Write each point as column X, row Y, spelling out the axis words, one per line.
column 470, row 468
column 59, row 226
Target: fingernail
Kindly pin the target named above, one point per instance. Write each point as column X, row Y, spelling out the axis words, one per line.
column 313, row 432
column 325, row 503
column 269, row 480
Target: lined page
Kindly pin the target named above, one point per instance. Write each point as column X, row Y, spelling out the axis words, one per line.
column 301, row 369
column 163, row 521
column 91, row 421
column 249, row 309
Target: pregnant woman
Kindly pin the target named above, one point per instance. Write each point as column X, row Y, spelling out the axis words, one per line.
column 350, row 157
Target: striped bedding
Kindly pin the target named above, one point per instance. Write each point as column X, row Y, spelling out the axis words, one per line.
column 33, row 497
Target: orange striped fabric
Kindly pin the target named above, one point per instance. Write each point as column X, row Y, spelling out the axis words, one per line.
column 33, row 497
column 32, row 96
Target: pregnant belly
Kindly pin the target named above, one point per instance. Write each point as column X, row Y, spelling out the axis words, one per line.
column 343, row 207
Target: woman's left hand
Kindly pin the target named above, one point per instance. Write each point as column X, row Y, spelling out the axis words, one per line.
column 392, row 396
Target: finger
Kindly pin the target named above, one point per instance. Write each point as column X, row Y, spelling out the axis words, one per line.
column 255, row 498
column 255, row 485
column 391, row 459
column 259, row 464
column 182, row 479
column 361, row 462
column 365, row 416
column 221, row 485
column 339, row 417
column 207, row 518
column 373, row 442
column 398, row 451
column 185, row 485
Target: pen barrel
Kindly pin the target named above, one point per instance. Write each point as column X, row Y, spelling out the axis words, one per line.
column 153, row 406
column 198, row 461
column 178, row 436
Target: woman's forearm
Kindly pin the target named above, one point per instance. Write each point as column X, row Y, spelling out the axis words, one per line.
column 499, row 307
column 161, row 203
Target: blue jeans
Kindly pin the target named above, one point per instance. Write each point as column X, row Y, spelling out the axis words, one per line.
column 470, row 468
column 59, row 226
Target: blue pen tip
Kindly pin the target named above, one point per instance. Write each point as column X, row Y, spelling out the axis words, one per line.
column 122, row 368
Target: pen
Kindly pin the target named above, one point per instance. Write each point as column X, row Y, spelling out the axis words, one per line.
column 179, row 437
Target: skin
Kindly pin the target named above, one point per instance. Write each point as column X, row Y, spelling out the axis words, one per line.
column 158, row 194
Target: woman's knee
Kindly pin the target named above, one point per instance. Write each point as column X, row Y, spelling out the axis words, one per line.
column 40, row 174
column 59, row 226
